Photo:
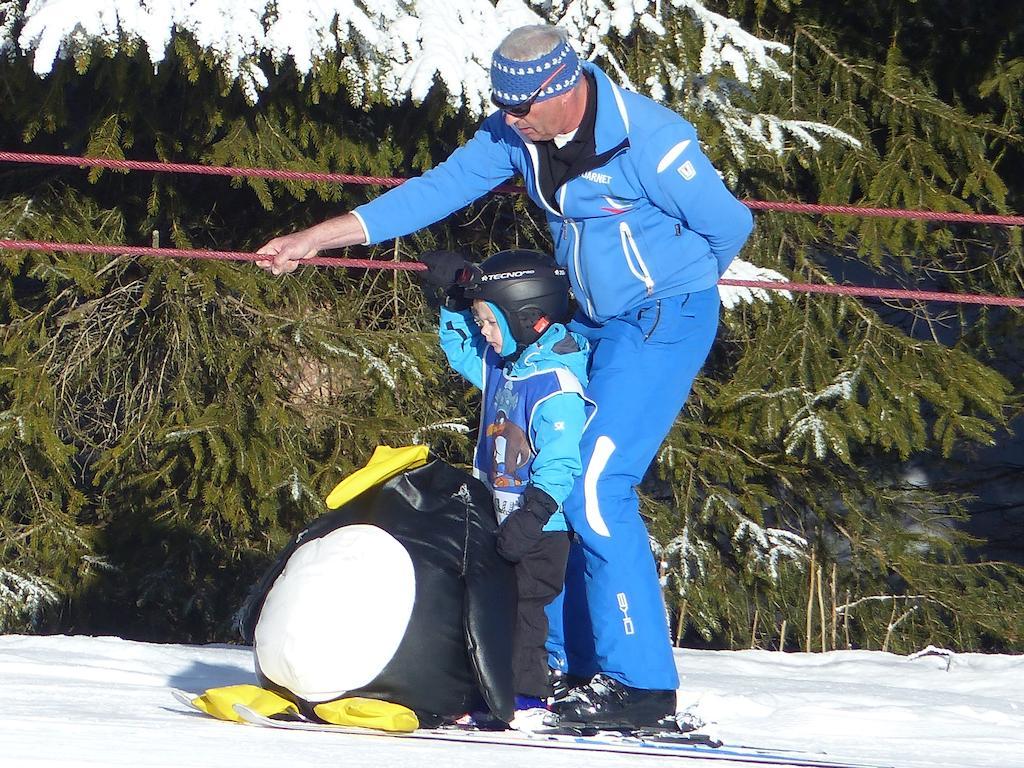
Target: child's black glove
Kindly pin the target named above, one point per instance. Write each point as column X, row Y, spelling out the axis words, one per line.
column 440, row 280
column 524, row 527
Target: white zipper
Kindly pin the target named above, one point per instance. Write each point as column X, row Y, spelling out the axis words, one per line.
column 576, row 265
column 575, row 252
column 630, row 251
column 535, row 162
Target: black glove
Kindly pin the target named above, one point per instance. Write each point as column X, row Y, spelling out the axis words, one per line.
column 440, row 280
column 524, row 527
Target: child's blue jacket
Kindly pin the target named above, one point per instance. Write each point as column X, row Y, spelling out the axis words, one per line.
column 653, row 220
column 541, row 397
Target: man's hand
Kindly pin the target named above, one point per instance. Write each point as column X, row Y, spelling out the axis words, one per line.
column 524, row 527
column 283, row 254
column 286, row 252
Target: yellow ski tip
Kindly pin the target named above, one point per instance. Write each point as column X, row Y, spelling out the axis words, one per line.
column 218, row 702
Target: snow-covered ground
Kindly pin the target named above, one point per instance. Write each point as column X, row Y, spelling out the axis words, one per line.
column 103, row 701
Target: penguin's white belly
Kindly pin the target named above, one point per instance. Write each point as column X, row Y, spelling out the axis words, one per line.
column 337, row 613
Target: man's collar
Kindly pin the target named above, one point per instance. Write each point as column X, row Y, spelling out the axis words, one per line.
column 611, row 126
column 564, row 138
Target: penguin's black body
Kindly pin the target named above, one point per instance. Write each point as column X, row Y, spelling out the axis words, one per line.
column 398, row 595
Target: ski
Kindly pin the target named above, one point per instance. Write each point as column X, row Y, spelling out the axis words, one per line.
column 184, row 697
column 652, row 744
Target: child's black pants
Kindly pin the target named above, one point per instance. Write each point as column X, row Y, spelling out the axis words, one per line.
column 539, row 578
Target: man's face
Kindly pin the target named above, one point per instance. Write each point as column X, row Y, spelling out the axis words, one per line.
column 545, row 120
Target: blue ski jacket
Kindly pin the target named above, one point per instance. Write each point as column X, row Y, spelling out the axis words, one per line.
column 534, row 405
column 653, row 220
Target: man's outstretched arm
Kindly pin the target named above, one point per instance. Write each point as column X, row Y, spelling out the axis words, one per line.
column 283, row 254
column 471, row 171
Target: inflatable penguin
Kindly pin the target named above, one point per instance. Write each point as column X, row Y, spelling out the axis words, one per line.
column 397, row 596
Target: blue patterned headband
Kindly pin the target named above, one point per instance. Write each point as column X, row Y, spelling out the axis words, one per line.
column 515, row 82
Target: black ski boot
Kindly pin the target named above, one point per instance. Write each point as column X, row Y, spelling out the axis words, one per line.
column 563, row 682
column 606, row 703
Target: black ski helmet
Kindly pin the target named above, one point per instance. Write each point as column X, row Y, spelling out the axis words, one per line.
column 529, row 289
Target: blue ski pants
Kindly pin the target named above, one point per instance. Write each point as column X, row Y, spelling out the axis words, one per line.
column 611, row 615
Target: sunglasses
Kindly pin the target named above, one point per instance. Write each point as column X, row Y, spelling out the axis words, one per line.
column 522, row 109
column 516, row 110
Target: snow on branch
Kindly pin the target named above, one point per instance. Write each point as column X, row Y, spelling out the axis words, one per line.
column 395, row 47
column 451, row 40
column 10, row 12
column 400, row 48
column 297, row 488
column 734, row 295
column 770, row 545
column 382, row 369
column 23, row 595
column 422, row 434
column 808, row 426
column 728, row 48
column 690, row 557
column 841, row 609
column 12, row 420
column 727, row 43
column 405, row 361
column 842, row 387
column 236, row 32
column 742, row 127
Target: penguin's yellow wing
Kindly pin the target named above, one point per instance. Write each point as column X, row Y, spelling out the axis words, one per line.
column 385, row 463
column 368, row 713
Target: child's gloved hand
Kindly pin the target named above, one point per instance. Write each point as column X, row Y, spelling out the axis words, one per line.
column 440, row 280
column 524, row 527
column 443, row 268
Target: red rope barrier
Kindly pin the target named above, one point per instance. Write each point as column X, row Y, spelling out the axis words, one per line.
column 212, row 170
column 345, row 178
column 880, row 293
column 208, row 170
column 184, row 253
column 891, row 213
column 412, row 266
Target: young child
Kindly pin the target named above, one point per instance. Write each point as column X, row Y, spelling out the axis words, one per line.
column 502, row 329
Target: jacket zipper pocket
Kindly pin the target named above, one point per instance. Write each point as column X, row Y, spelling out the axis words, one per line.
column 634, row 260
column 657, row 319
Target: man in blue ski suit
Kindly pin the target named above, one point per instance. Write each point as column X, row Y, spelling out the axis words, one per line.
column 645, row 227
column 501, row 327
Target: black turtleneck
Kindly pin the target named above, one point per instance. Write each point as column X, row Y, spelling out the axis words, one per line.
column 558, row 166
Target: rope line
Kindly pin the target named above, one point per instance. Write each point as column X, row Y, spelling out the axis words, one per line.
column 208, row 170
column 185, row 253
column 345, row 178
column 880, row 293
column 213, row 170
column 412, row 266
column 890, row 213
